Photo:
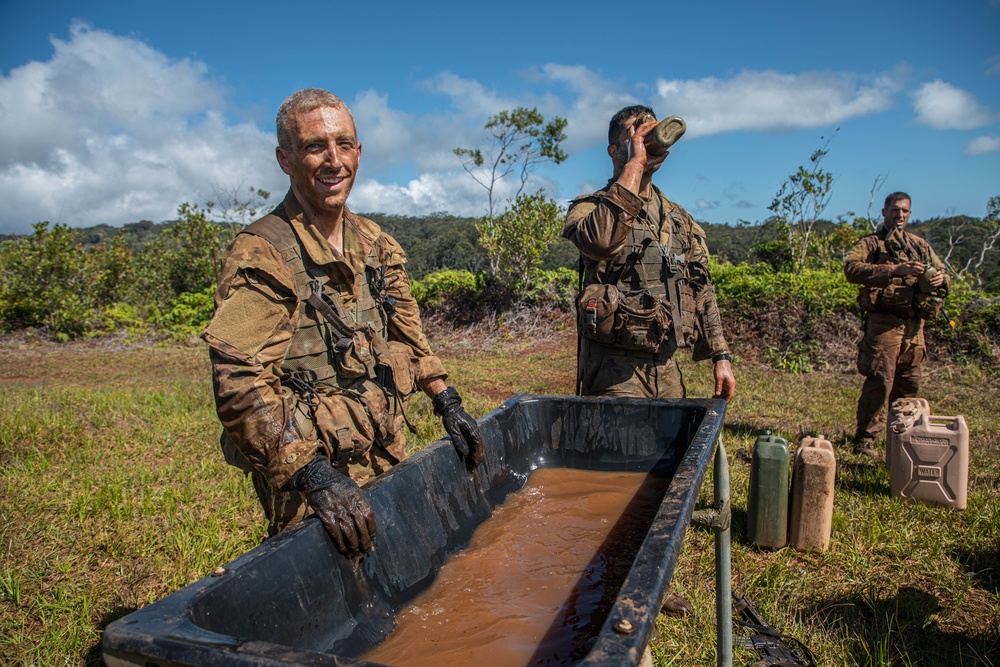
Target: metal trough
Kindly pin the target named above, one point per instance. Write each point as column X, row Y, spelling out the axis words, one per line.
column 295, row 600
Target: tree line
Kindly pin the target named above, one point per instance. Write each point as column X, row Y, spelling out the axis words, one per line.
column 81, row 282
column 161, row 277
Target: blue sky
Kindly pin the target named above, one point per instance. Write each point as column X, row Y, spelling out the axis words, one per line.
column 112, row 112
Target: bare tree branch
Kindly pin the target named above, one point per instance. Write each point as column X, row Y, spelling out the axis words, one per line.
column 876, row 186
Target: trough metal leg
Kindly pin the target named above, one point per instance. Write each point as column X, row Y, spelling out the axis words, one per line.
column 719, row 519
column 723, row 563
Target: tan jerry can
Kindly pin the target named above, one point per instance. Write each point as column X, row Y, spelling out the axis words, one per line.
column 813, row 476
column 928, row 459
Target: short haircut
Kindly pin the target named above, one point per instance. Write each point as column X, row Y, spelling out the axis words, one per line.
column 618, row 120
column 302, row 101
column 895, row 197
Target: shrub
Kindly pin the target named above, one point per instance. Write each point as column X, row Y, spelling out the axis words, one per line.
column 118, row 316
column 432, row 290
column 756, row 285
column 557, row 288
column 776, row 253
column 48, row 280
column 969, row 328
column 185, row 258
column 517, row 240
column 188, row 314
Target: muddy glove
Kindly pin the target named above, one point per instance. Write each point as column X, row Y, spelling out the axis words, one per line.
column 462, row 428
column 340, row 505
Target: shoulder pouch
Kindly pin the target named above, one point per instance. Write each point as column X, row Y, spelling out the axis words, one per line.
column 597, row 306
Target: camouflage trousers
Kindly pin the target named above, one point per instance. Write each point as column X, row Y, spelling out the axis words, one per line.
column 890, row 356
column 611, row 371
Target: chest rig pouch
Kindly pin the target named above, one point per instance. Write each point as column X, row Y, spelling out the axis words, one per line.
column 927, row 305
column 337, row 350
column 898, row 296
column 643, row 302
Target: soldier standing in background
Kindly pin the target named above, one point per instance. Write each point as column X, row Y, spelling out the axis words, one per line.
column 316, row 342
column 902, row 283
column 647, row 291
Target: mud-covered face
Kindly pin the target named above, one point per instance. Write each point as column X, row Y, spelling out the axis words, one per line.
column 896, row 214
column 323, row 160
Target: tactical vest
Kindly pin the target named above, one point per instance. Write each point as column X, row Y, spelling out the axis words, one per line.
column 643, row 301
column 320, row 351
column 900, row 297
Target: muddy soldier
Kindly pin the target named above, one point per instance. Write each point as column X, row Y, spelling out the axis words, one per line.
column 316, row 340
column 902, row 283
column 647, row 292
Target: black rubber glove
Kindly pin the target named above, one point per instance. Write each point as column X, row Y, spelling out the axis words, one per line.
column 339, row 503
column 462, row 428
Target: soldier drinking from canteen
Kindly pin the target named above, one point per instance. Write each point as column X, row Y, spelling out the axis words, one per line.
column 647, row 292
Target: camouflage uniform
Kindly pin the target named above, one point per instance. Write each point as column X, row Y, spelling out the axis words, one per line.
column 278, row 411
column 891, row 350
column 654, row 255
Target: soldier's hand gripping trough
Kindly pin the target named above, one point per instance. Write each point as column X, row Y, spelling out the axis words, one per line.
column 462, row 428
column 340, row 504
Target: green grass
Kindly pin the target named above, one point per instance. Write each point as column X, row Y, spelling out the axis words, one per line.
column 903, row 583
column 113, row 493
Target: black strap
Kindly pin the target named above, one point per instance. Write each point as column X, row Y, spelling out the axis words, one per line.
column 774, row 634
column 675, row 310
column 344, row 331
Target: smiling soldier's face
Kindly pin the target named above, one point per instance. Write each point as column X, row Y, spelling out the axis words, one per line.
column 323, row 160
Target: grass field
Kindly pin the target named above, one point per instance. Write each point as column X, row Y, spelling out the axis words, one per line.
column 113, row 493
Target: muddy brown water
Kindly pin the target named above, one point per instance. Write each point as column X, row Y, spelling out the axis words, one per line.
column 538, row 578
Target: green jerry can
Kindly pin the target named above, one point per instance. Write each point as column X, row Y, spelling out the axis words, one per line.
column 767, row 506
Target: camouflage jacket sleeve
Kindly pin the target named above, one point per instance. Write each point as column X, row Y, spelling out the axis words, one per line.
column 406, row 326
column 599, row 224
column 247, row 337
column 865, row 265
column 711, row 341
column 861, row 267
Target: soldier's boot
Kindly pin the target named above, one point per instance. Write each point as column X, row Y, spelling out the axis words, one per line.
column 675, row 605
column 866, row 447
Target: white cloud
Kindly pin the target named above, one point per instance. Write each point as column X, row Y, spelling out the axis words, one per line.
column 595, row 101
column 983, row 145
column 705, row 205
column 942, row 106
column 390, row 137
column 454, row 192
column 770, row 101
column 429, row 193
column 111, row 131
column 426, row 143
column 471, row 98
column 383, row 131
